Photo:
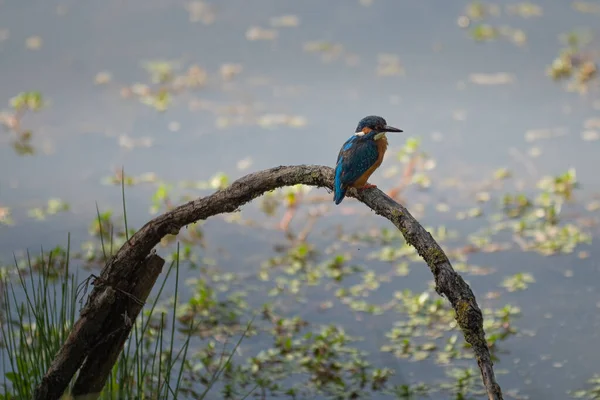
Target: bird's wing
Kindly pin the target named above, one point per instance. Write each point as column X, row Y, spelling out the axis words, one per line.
column 354, row 159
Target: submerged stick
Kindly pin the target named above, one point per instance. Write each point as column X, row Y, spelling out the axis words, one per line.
column 123, row 264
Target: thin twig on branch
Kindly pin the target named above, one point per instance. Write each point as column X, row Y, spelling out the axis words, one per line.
column 122, row 265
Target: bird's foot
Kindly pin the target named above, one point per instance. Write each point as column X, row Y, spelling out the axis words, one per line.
column 367, row 186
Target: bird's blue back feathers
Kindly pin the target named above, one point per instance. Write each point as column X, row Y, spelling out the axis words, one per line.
column 357, row 155
column 339, row 192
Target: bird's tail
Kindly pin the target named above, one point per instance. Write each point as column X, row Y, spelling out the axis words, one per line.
column 338, row 192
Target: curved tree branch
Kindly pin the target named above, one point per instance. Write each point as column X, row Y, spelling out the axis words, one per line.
column 119, row 272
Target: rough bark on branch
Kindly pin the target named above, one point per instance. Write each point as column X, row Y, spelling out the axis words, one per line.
column 98, row 336
column 122, row 266
column 100, row 361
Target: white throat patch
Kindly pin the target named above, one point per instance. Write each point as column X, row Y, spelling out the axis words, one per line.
column 377, row 136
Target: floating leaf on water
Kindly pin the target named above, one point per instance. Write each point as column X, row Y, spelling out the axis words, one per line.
column 492, row 295
column 423, row 297
column 502, row 173
column 33, row 42
column 420, row 355
column 562, row 185
column 102, row 78
column 9, row 120
column 593, row 393
column 475, row 212
column 37, row 213
column 285, row 21
column 589, row 136
column 196, row 76
column 517, row 36
column 160, row 101
column 537, row 134
column 573, row 62
column 500, row 78
column 140, row 89
column 561, row 67
column 174, row 126
column 222, row 122
column 258, row 33
column 422, row 180
column 587, row 71
column 586, row 7
column 518, row 281
column 593, row 206
column 483, row 32
column 219, row 181
column 525, row 10
column 442, row 207
column 391, row 171
column 483, row 197
column 534, row 152
column 28, row 100
column 402, row 269
column 476, row 10
column 577, row 38
column 463, row 21
column 56, row 205
column 319, row 46
column 273, row 120
column 244, row 164
column 326, row 305
column 583, row 254
column 592, row 123
column 229, row 71
column 5, row 216
column 200, row 11
column 161, row 71
column 126, row 92
column 389, row 65
column 129, row 142
column 117, row 179
column 330, row 51
column 429, row 164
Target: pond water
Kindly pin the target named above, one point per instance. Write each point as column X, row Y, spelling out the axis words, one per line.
column 292, row 90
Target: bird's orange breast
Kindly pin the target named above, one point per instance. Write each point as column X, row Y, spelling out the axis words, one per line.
column 382, row 145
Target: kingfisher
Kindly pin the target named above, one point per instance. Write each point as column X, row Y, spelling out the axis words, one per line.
column 360, row 156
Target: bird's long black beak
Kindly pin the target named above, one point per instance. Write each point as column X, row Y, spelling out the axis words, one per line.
column 388, row 128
